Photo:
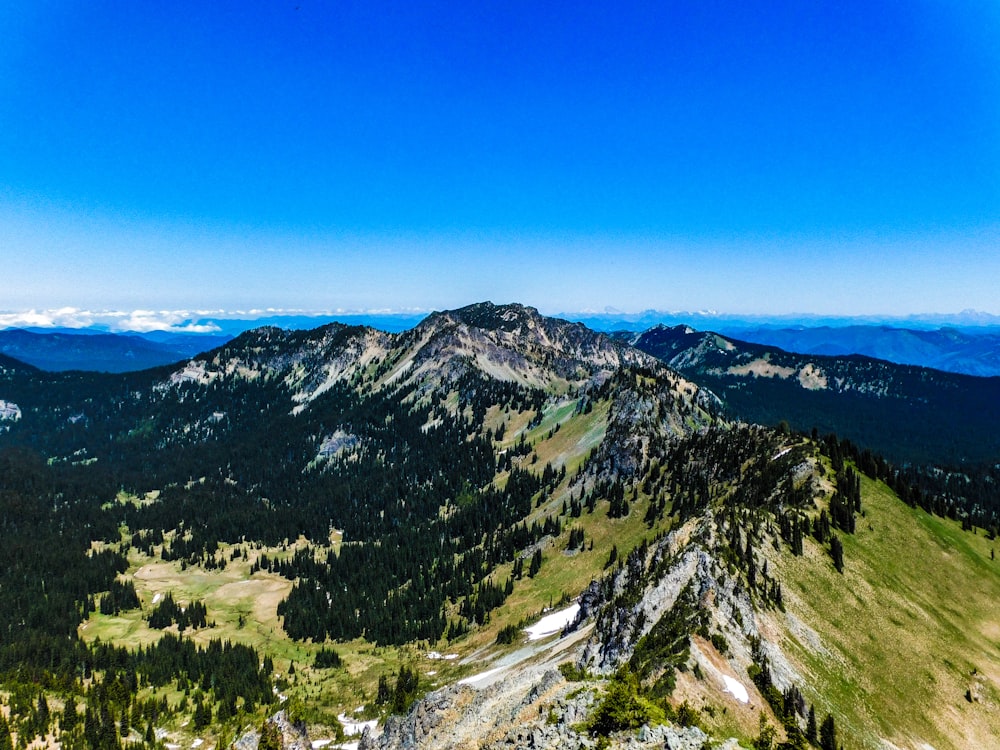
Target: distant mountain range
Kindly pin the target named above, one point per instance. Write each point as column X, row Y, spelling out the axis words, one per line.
column 947, row 349
column 60, row 350
column 969, row 321
column 909, row 413
column 967, row 343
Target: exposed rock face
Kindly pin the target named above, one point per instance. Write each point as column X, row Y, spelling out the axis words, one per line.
column 536, row 707
column 683, row 560
column 511, row 343
column 293, row 735
column 531, row 708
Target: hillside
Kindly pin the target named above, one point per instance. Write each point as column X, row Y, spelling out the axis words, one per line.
column 908, row 414
column 749, row 629
column 342, row 520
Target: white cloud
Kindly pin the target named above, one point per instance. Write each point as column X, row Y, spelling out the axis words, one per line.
column 172, row 321
column 138, row 321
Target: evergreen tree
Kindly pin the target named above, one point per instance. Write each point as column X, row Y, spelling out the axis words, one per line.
column 406, row 689
column 536, row 564
column 811, row 733
column 41, row 721
column 384, row 694
column 765, row 735
column 6, row 743
column 69, row 716
column 828, row 734
column 270, row 737
column 202, row 715
column 837, row 552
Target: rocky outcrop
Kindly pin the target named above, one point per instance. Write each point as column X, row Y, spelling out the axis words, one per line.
column 534, row 707
column 292, row 735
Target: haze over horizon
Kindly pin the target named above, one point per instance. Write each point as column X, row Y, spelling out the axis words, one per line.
column 756, row 160
column 231, row 322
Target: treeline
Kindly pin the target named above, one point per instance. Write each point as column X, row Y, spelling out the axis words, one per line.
column 921, row 418
column 970, row 495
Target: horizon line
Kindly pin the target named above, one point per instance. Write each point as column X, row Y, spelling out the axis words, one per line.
column 206, row 321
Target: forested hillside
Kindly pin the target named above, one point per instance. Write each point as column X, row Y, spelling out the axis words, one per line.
column 910, row 415
column 316, row 513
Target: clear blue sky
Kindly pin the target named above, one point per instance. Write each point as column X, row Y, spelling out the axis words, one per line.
column 826, row 157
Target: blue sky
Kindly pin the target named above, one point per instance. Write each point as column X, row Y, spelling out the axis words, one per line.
column 832, row 158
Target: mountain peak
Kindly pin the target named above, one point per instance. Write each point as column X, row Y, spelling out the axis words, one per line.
column 491, row 317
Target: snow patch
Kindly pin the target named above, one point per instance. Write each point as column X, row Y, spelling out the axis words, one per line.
column 352, row 727
column 736, row 688
column 483, row 678
column 157, row 598
column 553, row 623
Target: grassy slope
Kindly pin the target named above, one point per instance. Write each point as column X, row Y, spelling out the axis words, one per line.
column 903, row 633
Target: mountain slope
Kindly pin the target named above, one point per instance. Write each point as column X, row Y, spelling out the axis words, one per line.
column 313, row 458
column 908, row 414
column 733, row 622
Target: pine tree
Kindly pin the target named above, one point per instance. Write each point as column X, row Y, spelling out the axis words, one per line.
column 828, row 734
column 6, row 743
column 384, row 694
column 42, row 716
column 837, row 552
column 270, row 737
column 765, row 735
column 811, row 733
column 202, row 715
column 536, row 564
column 69, row 715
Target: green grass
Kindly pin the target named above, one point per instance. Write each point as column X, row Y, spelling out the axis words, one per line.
column 907, row 629
column 577, row 436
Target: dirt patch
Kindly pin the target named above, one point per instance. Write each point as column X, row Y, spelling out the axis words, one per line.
column 762, row 368
column 812, row 378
